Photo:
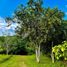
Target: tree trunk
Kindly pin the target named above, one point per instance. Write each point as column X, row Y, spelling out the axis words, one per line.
column 38, row 53
column 52, row 55
column 7, row 49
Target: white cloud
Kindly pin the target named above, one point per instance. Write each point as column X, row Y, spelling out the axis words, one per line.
column 12, row 26
column 4, row 27
column 2, row 24
column 7, row 28
column 1, row 20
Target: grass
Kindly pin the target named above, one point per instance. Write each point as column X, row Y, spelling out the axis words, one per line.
column 27, row 61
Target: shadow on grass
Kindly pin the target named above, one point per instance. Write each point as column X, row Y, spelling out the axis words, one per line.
column 5, row 59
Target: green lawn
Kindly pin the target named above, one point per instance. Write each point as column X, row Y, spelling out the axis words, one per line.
column 27, row 61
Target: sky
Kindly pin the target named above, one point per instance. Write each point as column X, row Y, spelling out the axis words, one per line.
column 7, row 8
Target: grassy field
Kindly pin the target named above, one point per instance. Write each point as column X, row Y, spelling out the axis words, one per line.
column 27, row 61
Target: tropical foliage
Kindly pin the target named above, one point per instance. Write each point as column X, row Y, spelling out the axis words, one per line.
column 60, row 51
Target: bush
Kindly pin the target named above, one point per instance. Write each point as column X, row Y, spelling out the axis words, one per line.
column 60, row 51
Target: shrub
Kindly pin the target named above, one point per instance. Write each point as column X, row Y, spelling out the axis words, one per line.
column 60, row 51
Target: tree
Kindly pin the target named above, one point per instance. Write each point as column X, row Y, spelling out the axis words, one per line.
column 53, row 28
column 38, row 24
column 30, row 21
column 2, row 39
column 64, row 27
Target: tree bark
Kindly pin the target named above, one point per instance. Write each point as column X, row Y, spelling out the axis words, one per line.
column 7, row 49
column 38, row 53
column 52, row 55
